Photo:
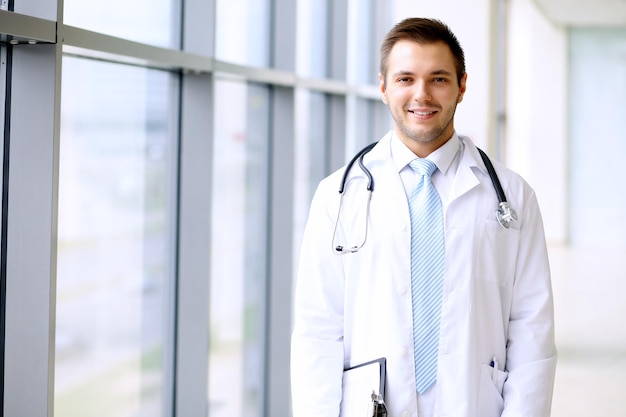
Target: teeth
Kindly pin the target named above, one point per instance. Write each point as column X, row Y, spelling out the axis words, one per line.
column 423, row 113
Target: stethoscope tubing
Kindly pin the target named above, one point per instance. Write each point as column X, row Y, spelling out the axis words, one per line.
column 494, row 177
column 358, row 157
column 370, row 184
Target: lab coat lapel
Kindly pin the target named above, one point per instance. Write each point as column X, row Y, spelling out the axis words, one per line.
column 466, row 178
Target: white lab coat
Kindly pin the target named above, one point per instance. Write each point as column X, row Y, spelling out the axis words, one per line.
column 497, row 297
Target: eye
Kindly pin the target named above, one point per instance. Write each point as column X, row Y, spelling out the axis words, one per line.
column 440, row 80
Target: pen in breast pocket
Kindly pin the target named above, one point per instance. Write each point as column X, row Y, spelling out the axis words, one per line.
column 494, row 371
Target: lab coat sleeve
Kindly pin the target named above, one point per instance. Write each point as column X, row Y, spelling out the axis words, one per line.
column 531, row 350
column 317, row 339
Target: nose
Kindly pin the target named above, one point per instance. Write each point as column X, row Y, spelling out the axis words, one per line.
column 422, row 92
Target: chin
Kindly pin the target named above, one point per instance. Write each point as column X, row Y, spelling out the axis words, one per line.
column 425, row 136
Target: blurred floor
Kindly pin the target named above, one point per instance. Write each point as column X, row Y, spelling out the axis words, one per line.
column 590, row 311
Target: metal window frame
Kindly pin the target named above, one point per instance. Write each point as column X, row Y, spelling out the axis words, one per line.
column 31, row 231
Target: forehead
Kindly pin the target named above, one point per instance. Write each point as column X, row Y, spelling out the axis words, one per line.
column 418, row 57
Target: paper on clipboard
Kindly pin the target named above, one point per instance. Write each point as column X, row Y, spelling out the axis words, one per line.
column 359, row 382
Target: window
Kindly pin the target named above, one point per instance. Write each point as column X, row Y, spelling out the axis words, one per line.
column 163, row 159
column 311, row 150
column 591, row 52
column 239, row 250
column 373, row 121
column 313, row 38
column 115, row 247
column 154, row 22
column 243, row 32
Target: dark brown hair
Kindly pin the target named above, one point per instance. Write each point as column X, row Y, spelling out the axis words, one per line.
column 422, row 30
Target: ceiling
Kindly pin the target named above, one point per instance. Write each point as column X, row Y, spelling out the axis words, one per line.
column 585, row 12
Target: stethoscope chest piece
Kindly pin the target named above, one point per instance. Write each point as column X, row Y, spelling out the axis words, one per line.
column 505, row 214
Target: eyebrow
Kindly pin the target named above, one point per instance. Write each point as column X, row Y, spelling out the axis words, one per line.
column 442, row 72
column 399, row 73
column 435, row 72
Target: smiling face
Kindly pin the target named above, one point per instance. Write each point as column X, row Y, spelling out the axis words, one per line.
column 422, row 91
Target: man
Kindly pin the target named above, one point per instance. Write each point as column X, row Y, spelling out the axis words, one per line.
column 493, row 352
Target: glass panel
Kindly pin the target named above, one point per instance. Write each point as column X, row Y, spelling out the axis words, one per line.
column 370, row 19
column 154, row 22
column 115, row 241
column 366, row 49
column 311, row 147
column 311, row 162
column 243, row 32
column 313, row 38
column 239, row 255
column 597, row 75
column 373, row 122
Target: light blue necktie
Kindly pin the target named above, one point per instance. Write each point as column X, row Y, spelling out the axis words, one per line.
column 427, row 265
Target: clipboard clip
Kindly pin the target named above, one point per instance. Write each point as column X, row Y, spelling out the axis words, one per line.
column 378, row 406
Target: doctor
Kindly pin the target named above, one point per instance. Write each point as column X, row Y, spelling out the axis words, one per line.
column 495, row 353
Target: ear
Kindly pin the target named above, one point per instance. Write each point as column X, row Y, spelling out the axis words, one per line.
column 462, row 88
column 383, row 88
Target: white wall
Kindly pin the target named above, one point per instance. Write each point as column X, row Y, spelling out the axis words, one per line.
column 537, row 110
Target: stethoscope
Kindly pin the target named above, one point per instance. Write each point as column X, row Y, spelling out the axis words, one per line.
column 504, row 214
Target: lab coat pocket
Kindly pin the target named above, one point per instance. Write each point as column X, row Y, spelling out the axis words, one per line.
column 490, row 400
column 497, row 252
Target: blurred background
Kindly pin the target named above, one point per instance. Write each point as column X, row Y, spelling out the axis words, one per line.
column 159, row 159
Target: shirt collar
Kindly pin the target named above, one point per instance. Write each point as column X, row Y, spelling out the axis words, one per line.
column 442, row 157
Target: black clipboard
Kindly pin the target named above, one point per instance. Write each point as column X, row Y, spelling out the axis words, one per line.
column 359, row 381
